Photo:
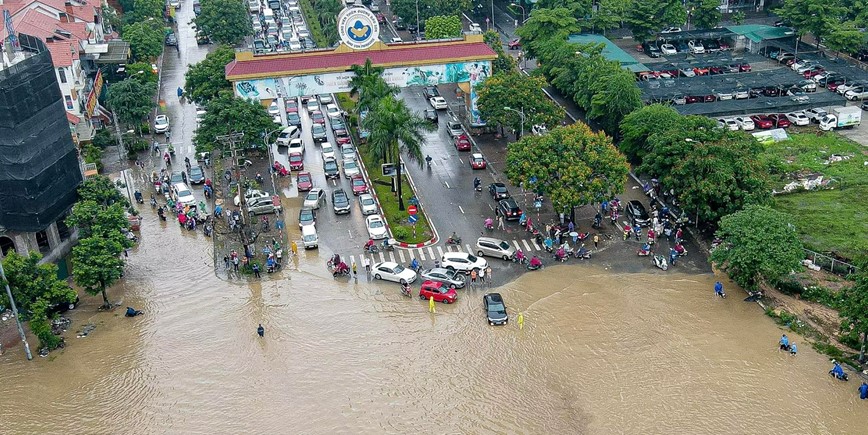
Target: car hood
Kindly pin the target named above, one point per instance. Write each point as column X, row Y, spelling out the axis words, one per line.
column 497, row 316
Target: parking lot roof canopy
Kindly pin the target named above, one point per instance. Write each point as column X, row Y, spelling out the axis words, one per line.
column 759, row 32
column 610, row 51
column 689, row 35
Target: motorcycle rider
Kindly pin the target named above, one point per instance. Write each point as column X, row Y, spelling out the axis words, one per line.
column 561, row 254
column 519, row 256
column 646, row 249
column 837, row 371
column 489, row 224
column 535, row 262
column 477, row 183
column 369, row 245
column 454, row 238
column 405, row 288
column 415, row 265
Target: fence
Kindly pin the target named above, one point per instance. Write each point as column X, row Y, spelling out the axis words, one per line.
column 831, row 264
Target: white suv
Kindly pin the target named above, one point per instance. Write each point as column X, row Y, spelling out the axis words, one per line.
column 463, row 262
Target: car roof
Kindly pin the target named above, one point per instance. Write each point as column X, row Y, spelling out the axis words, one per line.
column 455, row 254
column 389, row 264
column 315, row 189
column 439, row 270
column 494, row 297
column 431, row 283
column 490, row 240
column 476, row 155
column 509, row 202
column 374, row 217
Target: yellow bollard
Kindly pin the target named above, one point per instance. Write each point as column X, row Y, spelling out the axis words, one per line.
column 520, row 321
column 431, row 308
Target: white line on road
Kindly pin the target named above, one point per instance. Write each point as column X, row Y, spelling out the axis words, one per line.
column 526, row 245
column 392, row 257
column 490, row 206
column 431, row 251
column 382, row 257
column 515, row 242
column 447, row 185
column 469, row 249
column 461, row 161
column 462, row 210
column 421, row 255
column 538, row 248
column 350, row 233
column 401, row 255
column 440, row 251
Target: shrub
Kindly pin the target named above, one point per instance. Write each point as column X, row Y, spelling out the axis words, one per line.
column 41, row 327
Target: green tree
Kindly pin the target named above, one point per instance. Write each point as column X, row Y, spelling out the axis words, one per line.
column 145, row 38
column 207, row 78
column 545, row 26
column 643, row 123
column 406, row 9
column 518, row 93
column 395, row 128
column 759, row 246
column 98, row 265
column 571, row 165
column 443, row 27
column 229, row 114
column 665, row 148
column 738, row 18
column 609, row 15
column 504, row 62
column 144, row 9
column 617, row 99
column 705, row 13
column 817, row 17
column 845, row 37
column 368, row 85
column 646, row 18
column 102, row 191
column 225, row 21
column 131, row 99
column 142, row 71
column 854, row 310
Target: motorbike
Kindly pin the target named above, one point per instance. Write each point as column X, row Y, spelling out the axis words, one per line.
column 520, row 258
column 549, row 244
column 406, row 290
column 598, row 222
column 139, row 198
column 660, row 262
column 560, row 255
column 644, row 251
column 340, row 269
column 477, row 184
column 153, row 201
column 161, row 214
column 453, row 240
column 372, row 249
column 388, row 245
column 207, row 230
column 532, row 266
column 842, row 377
column 415, row 266
column 583, row 253
column 489, row 224
column 679, row 249
column 582, row 236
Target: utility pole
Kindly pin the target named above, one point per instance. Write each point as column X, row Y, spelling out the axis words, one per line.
column 120, row 137
column 15, row 313
column 231, row 139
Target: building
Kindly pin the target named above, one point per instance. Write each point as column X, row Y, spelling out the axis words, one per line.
column 39, row 165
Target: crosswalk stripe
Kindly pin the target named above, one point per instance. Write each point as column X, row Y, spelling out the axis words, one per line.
column 515, row 242
column 469, row 249
column 537, row 247
column 431, row 251
column 526, row 245
column 421, row 255
column 350, row 260
column 440, row 251
column 382, row 257
column 392, row 257
column 401, row 255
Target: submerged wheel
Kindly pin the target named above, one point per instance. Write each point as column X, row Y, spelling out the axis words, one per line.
column 377, row 276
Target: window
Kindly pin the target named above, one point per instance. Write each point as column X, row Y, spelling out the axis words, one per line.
column 62, row 73
column 42, row 242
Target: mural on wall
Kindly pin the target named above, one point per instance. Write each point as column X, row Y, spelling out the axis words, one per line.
column 473, row 72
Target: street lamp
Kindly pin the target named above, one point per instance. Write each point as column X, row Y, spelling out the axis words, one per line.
column 520, row 114
column 523, row 19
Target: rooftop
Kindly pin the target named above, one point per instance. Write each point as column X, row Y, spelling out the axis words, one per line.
column 610, row 51
column 759, row 32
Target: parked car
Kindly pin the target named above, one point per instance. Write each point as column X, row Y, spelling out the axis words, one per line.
column 798, row 118
column 780, row 120
column 745, row 123
column 391, row 271
column 671, row 30
column 668, row 49
column 728, row 123
column 762, row 121
column 318, row 132
column 340, row 201
column 431, row 115
column 509, row 209
column 723, row 96
column 815, row 114
column 687, row 72
column 262, row 206
column 296, row 162
column 741, row 94
column 197, row 175
column 376, row 227
column 637, row 213
column 696, row 47
column 451, row 278
column 714, row 70
column 494, row 248
column 431, row 92
column 250, row 195
column 495, row 309
column 161, row 124
column 462, row 262
column 651, row 50
column 437, row 291
column 498, row 191
column 438, row 103
column 314, row 199
column 807, row 85
column 462, row 143
column 303, row 181
column 367, row 205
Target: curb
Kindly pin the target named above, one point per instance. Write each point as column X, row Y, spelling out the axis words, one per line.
column 436, row 237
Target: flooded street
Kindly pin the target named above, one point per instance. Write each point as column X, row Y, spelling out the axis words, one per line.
column 602, row 354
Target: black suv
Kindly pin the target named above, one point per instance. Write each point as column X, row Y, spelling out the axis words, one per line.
column 509, row 209
column 340, row 201
column 431, row 115
column 495, row 309
column 498, row 191
column 330, row 167
column 638, row 215
column 431, row 91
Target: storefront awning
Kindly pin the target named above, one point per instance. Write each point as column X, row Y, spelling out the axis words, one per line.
column 118, row 52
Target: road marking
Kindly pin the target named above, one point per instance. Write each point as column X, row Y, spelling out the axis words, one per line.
column 392, row 257
column 350, row 233
column 526, row 245
column 431, row 251
column 447, row 185
column 462, row 210
column 421, row 254
column 382, row 257
column 538, row 248
column 469, row 249
column 515, row 242
column 490, row 206
column 440, row 251
column 401, row 255
column 351, row 259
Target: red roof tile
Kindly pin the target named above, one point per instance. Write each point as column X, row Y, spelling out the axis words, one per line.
column 422, row 53
column 63, row 53
column 40, row 25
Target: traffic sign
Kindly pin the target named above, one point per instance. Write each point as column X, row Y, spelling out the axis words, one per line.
column 413, row 218
column 412, row 210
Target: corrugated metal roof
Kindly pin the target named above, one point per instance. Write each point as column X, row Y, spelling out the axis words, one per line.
column 610, row 51
column 759, row 32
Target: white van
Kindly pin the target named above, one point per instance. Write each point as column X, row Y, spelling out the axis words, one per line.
column 253, row 6
column 309, row 237
column 269, row 15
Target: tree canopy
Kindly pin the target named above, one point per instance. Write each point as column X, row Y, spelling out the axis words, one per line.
column 617, row 97
column 230, row 114
column 518, row 93
column 854, row 310
column 225, row 21
column 571, row 165
column 704, row 13
column 145, row 38
column 504, row 62
column 545, row 26
column 406, row 9
column 817, row 17
column 643, row 123
column 758, row 246
column 443, row 27
column 646, row 18
column 207, row 78
column 131, row 99
column 98, row 265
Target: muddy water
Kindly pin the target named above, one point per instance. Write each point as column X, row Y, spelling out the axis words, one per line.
column 598, row 354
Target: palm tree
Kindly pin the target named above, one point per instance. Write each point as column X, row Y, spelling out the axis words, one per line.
column 395, row 128
column 368, row 85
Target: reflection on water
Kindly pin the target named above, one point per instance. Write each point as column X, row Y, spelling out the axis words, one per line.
column 599, row 353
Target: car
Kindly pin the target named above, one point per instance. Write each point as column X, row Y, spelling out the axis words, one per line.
column 668, row 49
column 179, row 177
column 807, row 85
column 803, row 63
column 200, row 115
column 437, row 291
column 815, row 114
column 350, row 167
column 451, row 278
column 509, row 209
column 161, row 124
column 498, row 191
column 826, row 77
column 495, row 309
column 679, row 100
column 687, row 72
column 712, row 46
column 696, row 47
column 858, row 93
column 276, row 119
column 296, row 162
column 682, row 47
column 438, row 103
column 762, row 121
column 197, row 175
column 273, row 109
column 431, row 92
column 381, row 18
column 325, row 98
column 317, row 117
column 462, row 143
column 201, row 37
column 304, row 181
column 842, row 89
column 864, row 106
column 338, row 127
column 814, row 71
column 312, row 105
column 780, row 120
column 318, row 132
column 183, row 194
column 328, row 152
column 741, row 94
column 306, row 216
column 834, row 84
column 290, row 105
column 700, row 70
column 340, row 201
column 733, row 68
column 454, row 128
column 771, row 91
column 314, row 199
column 399, row 24
column 785, row 57
column 359, row 184
column 690, row 99
column 798, row 118
column 171, row 40
column 651, row 50
column 348, row 151
column 330, row 167
column 462, row 262
column 391, row 271
column 332, row 111
column 367, row 204
column 262, row 206
column 723, row 96
column 714, row 70
column 287, row 135
column 671, row 30
column 296, row 146
column 494, row 248
column 477, row 161
column 376, row 227
column 431, row 115
column 729, row 123
column 251, row 195
column 293, row 119
column 514, row 44
column 745, row 123
column 341, row 140
column 637, row 214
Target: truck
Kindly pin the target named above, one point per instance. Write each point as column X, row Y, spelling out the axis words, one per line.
column 841, row 117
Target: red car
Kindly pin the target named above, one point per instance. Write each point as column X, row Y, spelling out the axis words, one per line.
column 296, row 162
column 342, row 139
column 438, row 291
column 745, row 67
column 710, row 98
column 291, row 105
column 815, row 71
column 477, row 161
column 462, row 143
column 690, row 99
column 514, row 44
column 833, row 85
column 304, row 181
column 780, row 120
column 317, row 117
column 359, row 185
column 762, row 121
column 700, row 71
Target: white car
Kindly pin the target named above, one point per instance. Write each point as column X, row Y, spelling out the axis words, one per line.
column 367, row 204
column 314, row 199
column 296, row 146
column 668, row 49
column 745, row 123
column 332, row 111
column 859, row 93
column 183, row 193
column 350, row 167
column 798, row 118
column 494, row 248
column 312, row 105
column 729, row 123
column 742, row 94
column 348, row 151
column 815, row 114
column 276, row 119
column 723, row 96
column 696, row 47
column 251, row 195
column 389, row 271
column 161, row 124
column 438, row 103
column 287, row 134
column 463, row 262
column 328, row 151
column 687, row 72
column 273, row 109
column 671, row 30
column 325, row 98
column 376, row 227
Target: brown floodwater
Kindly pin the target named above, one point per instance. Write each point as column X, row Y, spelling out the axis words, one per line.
column 600, row 353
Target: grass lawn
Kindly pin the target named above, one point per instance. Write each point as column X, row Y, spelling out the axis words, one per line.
column 834, row 220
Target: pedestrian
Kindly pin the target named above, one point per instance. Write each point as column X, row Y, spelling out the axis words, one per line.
column 718, row 289
column 863, row 391
column 367, row 264
column 679, row 236
column 256, row 270
column 784, row 342
column 604, row 206
column 482, row 277
column 793, row 349
column 488, row 274
column 226, row 262
column 355, row 269
column 235, row 263
column 260, row 330
column 473, row 276
column 293, row 247
column 500, row 224
column 673, row 254
column 570, row 227
column 596, row 240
